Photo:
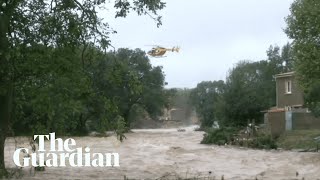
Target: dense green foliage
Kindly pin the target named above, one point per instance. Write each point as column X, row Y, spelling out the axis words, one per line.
column 229, row 135
column 251, row 87
column 244, row 96
column 263, row 141
column 207, row 100
column 55, row 74
column 312, row 97
column 219, row 136
column 303, row 27
column 109, row 87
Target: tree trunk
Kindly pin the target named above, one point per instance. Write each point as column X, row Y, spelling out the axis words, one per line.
column 5, row 117
column 3, row 171
column 6, row 81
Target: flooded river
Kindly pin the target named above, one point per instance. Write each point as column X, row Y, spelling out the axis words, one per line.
column 167, row 153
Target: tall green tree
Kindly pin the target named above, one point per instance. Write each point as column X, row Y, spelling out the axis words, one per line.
column 287, row 58
column 53, row 98
column 127, row 78
column 251, row 86
column 303, row 27
column 207, row 98
column 34, row 32
column 244, row 94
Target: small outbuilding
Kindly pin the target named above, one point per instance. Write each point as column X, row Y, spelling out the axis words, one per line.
column 289, row 113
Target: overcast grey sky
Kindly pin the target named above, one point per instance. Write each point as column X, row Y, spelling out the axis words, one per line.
column 213, row 35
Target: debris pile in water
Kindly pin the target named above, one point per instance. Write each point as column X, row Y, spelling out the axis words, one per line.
column 181, row 130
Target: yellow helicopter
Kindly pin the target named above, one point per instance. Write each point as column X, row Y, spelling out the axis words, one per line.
column 159, row 51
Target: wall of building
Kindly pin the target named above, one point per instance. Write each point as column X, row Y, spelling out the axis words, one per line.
column 279, row 121
column 276, row 123
column 283, row 99
column 302, row 120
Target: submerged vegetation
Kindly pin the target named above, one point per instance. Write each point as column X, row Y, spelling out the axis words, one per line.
column 263, row 141
column 231, row 136
column 220, row 136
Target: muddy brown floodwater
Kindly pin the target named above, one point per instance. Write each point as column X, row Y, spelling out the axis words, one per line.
column 155, row 153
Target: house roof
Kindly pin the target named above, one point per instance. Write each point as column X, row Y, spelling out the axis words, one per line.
column 277, row 110
column 288, row 74
column 274, row 109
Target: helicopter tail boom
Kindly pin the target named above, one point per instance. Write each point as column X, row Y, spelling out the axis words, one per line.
column 175, row 49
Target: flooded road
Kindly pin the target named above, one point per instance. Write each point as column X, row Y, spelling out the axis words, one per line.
column 152, row 154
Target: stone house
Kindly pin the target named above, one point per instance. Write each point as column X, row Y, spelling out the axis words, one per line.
column 289, row 113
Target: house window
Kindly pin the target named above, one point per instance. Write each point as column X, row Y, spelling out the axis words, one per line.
column 288, row 87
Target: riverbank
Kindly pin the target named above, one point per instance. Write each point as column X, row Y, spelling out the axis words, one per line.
column 299, row 140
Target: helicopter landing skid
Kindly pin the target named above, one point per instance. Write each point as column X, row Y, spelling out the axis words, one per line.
column 160, row 57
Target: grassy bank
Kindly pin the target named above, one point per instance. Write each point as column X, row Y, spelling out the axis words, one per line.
column 290, row 140
column 298, row 139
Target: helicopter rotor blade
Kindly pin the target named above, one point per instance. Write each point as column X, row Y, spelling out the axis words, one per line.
column 153, row 45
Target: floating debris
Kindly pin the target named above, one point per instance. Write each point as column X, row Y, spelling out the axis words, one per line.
column 181, row 130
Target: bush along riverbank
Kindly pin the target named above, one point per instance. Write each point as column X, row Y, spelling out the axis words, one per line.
column 243, row 138
column 296, row 140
